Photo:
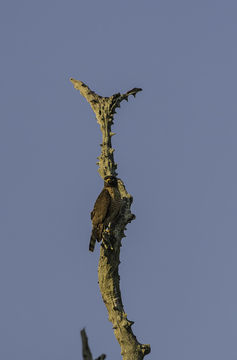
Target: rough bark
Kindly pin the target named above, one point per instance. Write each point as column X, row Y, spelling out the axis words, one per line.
column 104, row 109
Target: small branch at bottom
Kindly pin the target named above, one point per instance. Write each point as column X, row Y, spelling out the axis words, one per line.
column 86, row 353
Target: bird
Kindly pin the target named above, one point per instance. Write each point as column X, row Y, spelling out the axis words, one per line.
column 106, row 209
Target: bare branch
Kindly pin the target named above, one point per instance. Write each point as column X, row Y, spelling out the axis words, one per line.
column 104, row 109
column 101, row 357
column 86, row 353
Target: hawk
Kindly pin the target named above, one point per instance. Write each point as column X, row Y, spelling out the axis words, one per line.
column 106, row 209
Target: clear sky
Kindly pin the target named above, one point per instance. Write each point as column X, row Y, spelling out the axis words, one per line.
column 176, row 153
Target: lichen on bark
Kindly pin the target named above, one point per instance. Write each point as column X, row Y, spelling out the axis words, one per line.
column 104, row 109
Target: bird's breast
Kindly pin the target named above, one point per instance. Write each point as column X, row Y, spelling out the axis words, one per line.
column 116, row 200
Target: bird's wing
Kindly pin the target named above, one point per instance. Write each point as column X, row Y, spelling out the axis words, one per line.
column 101, row 207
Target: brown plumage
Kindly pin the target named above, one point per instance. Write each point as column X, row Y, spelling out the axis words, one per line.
column 105, row 210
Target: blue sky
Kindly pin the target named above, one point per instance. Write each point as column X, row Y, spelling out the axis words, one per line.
column 176, row 153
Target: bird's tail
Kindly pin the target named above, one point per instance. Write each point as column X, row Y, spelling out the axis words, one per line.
column 96, row 234
column 92, row 241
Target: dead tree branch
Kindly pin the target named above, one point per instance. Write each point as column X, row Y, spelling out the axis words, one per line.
column 104, row 109
column 86, row 353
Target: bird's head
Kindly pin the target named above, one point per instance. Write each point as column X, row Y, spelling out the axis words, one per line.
column 110, row 181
